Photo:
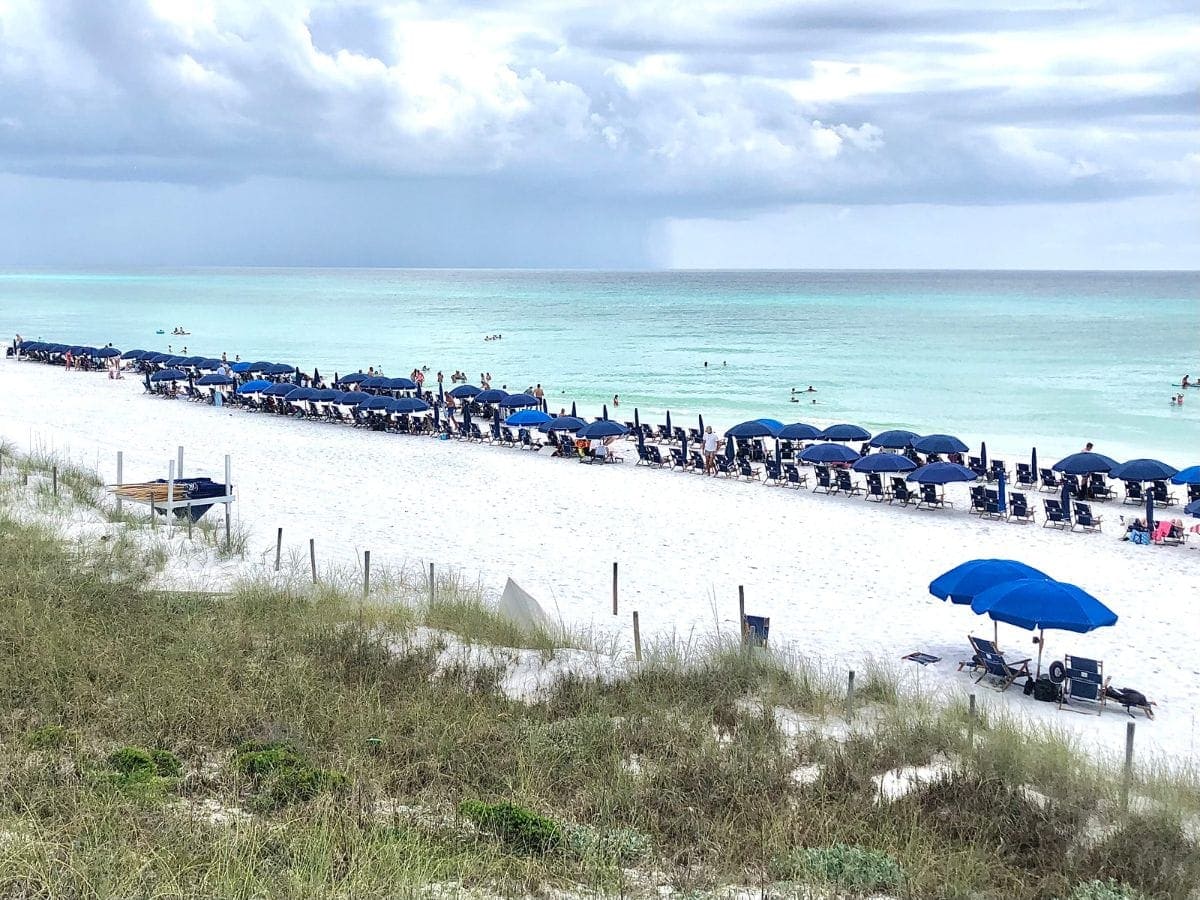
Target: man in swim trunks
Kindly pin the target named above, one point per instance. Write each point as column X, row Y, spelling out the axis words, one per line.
column 710, row 451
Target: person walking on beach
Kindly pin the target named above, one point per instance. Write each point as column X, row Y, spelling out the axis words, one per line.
column 710, row 451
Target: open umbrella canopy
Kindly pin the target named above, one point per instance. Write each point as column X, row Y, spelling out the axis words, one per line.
column 1142, row 470
column 517, row 401
column 798, row 431
column 828, row 453
column 298, row 393
column 377, row 404
column 528, row 417
column 1085, row 464
column 351, row 398
column 883, row 462
column 939, row 443
column 209, row 365
column 107, row 352
column 492, row 395
column 215, row 380
column 373, row 381
column 896, row 439
column 191, row 360
column 1190, row 475
column 169, row 375
column 254, row 387
column 562, row 423
column 844, row 432
column 602, row 429
column 410, row 405
column 941, row 473
column 399, row 384
column 279, row 369
column 774, row 424
column 1193, row 508
column 750, row 429
column 1039, row 603
column 353, row 378
column 966, row 581
column 278, row 390
column 260, row 366
column 240, row 367
column 464, row 391
column 324, row 395
column 133, row 354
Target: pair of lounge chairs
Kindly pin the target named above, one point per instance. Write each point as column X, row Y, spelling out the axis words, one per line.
column 1056, row 517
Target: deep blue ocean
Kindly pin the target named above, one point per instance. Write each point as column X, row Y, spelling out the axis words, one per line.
column 1009, row 357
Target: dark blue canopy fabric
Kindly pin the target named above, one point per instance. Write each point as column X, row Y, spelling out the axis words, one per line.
column 372, row 381
column 279, row 369
column 298, row 393
column 602, row 429
column 518, row 401
column 562, row 423
column 492, row 395
column 216, row 380
column 133, row 354
column 378, row 404
column 353, row 378
column 1193, row 508
column 939, row 443
column 240, row 367
column 1038, row 603
column 254, row 386
column 278, row 390
column 324, row 395
column 774, row 424
column 799, row 431
column 1143, row 470
column 845, row 432
column 751, row 429
column 399, row 384
column 464, row 391
column 1085, row 464
column 409, row 405
column 528, row 418
column 192, row 360
column 1190, row 475
column 209, row 365
column 349, row 398
column 260, row 366
column 883, row 462
column 966, row 581
column 941, row 473
column 828, row 453
column 169, row 375
column 107, row 352
column 896, row 439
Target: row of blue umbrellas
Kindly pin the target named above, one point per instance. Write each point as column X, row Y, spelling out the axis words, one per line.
column 1017, row 594
column 73, row 349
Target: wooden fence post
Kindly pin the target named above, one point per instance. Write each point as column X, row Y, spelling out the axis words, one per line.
column 366, row 572
column 312, row 558
column 432, row 586
column 1127, row 774
column 120, row 475
column 637, row 638
column 614, row 589
column 742, row 612
column 228, row 512
column 54, row 477
column 850, row 697
column 278, row 547
column 971, row 722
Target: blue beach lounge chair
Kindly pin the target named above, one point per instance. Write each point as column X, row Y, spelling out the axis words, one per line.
column 1055, row 517
column 1084, row 517
column 755, row 630
column 931, row 499
column 874, row 489
column 1025, row 477
column 901, row 493
column 794, row 478
column 1133, row 493
column 1083, row 680
column 1018, row 508
column 824, row 482
column 1050, row 481
column 846, row 485
column 994, row 665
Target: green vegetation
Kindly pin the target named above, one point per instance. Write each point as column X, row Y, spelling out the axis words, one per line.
column 297, row 742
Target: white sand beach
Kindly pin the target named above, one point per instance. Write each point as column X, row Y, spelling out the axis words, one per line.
column 843, row 581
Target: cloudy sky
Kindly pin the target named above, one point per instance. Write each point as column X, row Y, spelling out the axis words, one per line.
column 817, row 133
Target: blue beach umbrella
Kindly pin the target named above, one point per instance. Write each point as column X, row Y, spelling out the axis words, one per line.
column 604, row 414
column 215, row 380
column 983, row 456
column 669, row 431
column 279, row 369
column 352, row 378
column 133, row 354
column 562, row 423
column 966, row 581
column 527, row 417
column 799, row 431
column 324, row 395
column 729, row 449
column 574, row 416
column 1190, row 475
column 260, row 366
column 106, row 352
column 278, row 390
column 240, row 367
column 169, row 375
column 441, row 399
column 700, row 419
column 828, row 453
column 637, row 424
column 1037, row 604
column 254, row 386
column 1150, row 511
column 683, row 448
column 496, row 423
column 376, row 404
column 883, row 462
column 1065, row 500
column 373, row 382
column 602, row 429
column 1033, row 466
column 939, row 443
column 519, row 401
column 1085, row 464
column 209, row 365
column 1193, row 508
column 896, row 439
column 352, row 398
column 1143, row 470
column 751, row 429
column 409, row 405
column 399, row 384
column 844, row 432
column 775, row 425
column 1001, row 501
column 464, row 391
column 298, row 393
column 492, row 395
column 941, row 473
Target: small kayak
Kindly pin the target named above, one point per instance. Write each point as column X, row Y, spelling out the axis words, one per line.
column 160, row 331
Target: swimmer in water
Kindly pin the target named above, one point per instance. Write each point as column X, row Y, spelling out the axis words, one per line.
column 1185, row 382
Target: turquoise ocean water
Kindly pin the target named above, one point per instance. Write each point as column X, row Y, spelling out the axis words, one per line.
column 1002, row 356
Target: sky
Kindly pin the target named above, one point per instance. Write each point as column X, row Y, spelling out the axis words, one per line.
column 529, row 133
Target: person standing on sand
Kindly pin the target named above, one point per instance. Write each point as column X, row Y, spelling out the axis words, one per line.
column 538, row 392
column 710, row 451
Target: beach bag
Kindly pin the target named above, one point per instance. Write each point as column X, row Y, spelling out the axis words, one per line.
column 1046, row 690
column 1140, row 537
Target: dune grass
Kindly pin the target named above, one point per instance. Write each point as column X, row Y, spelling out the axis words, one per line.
column 328, row 748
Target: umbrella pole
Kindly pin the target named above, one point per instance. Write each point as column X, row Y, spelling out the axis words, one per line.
column 995, row 634
column 1041, row 644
